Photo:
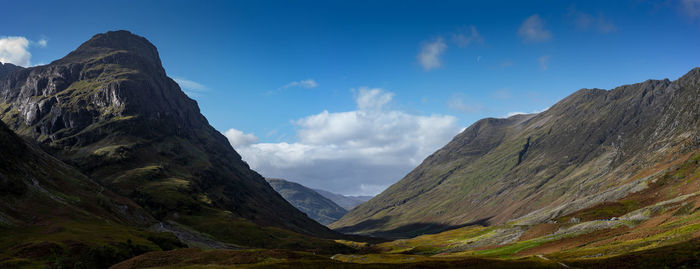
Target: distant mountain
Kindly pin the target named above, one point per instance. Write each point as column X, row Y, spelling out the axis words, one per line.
column 109, row 109
column 317, row 207
column 586, row 149
column 347, row 202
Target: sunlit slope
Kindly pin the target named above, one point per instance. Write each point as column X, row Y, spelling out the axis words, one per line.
column 656, row 226
column 585, row 149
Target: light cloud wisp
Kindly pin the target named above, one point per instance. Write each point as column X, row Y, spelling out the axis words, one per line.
column 306, row 83
column 430, row 53
column 533, row 30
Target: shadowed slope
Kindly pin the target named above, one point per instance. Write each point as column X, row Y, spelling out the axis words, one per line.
column 51, row 213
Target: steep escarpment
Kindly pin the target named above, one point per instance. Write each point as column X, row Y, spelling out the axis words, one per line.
column 109, row 109
column 585, row 149
column 315, row 205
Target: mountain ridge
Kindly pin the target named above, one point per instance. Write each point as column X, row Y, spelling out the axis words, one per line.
column 347, row 202
column 500, row 169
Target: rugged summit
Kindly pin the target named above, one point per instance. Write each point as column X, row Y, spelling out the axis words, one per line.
column 109, row 109
column 315, row 205
column 586, row 149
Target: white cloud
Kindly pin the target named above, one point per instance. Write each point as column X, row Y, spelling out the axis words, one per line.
column 307, row 83
column 510, row 114
column 372, row 99
column 42, row 43
column 189, row 84
column 544, row 62
column 358, row 152
column 691, row 8
column 430, row 52
column 533, row 30
column 467, row 37
column 190, row 87
column 585, row 21
column 14, row 49
column 239, row 139
column 458, row 103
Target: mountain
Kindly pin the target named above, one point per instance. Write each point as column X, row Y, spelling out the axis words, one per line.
column 587, row 149
column 6, row 68
column 347, row 202
column 52, row 213
column 109, row 109
column 315, row 206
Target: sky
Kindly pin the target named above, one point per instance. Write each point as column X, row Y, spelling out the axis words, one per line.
column 349, row 96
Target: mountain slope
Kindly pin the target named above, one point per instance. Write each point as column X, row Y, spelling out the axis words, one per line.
column 586, row 149
column 51, row 213
column 109, row 109
column 315, row 206
column 347, row 202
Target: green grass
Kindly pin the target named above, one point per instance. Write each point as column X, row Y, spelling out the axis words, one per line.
column 68, row 243
column 226, row 227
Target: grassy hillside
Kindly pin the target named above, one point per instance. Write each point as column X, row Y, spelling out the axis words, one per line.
column 52, row 214
column 586, row 149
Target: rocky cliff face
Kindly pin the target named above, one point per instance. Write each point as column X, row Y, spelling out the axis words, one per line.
column 109, row 109
column 110, row 76
column 585, row 149
column 6, row 68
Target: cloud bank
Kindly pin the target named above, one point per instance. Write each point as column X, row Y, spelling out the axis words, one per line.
column 358, row 152
column 15, row 50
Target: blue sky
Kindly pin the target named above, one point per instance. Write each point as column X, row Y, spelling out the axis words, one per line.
column 269, row 70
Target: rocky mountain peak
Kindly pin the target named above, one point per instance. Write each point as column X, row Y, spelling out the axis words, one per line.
column 109, row 109
column 114, row 75
column 115, row 41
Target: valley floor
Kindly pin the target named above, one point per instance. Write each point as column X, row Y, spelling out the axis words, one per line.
column 658, row 226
